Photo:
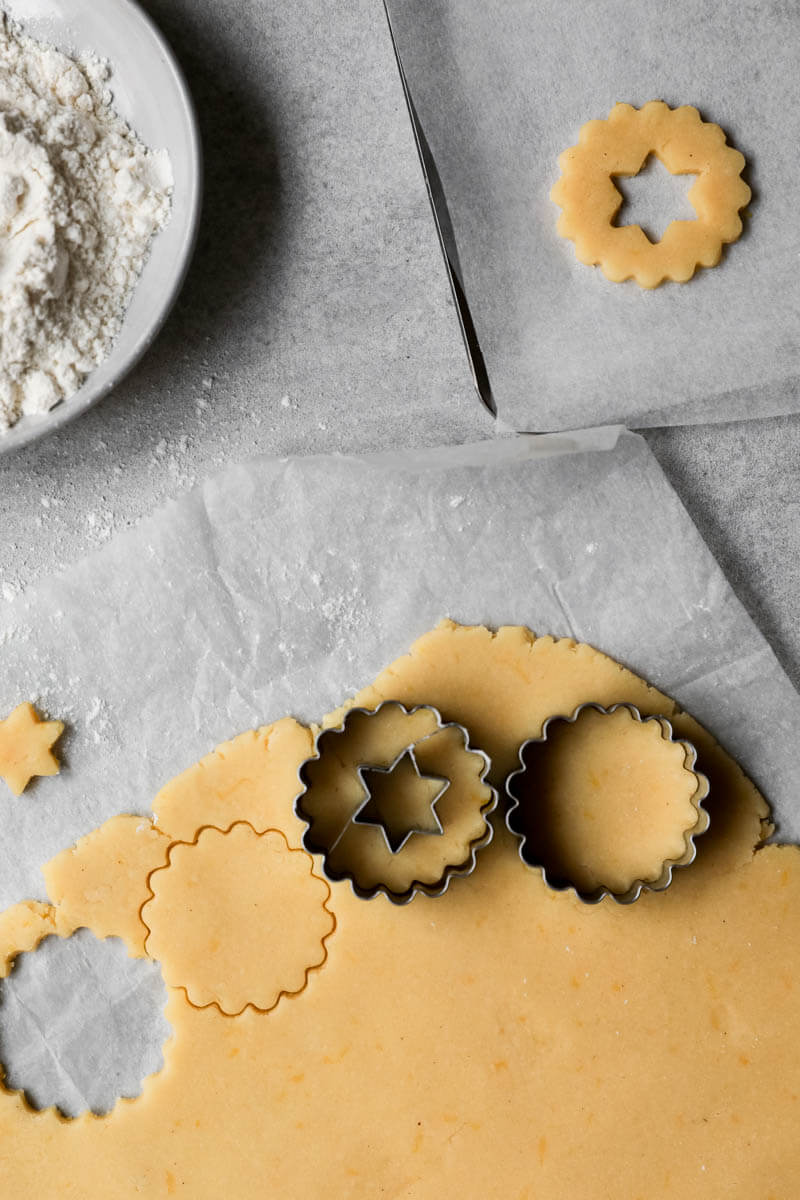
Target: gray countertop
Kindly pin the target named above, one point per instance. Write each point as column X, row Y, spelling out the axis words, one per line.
column 741, row 484
column 317, row 318
column 317, row 314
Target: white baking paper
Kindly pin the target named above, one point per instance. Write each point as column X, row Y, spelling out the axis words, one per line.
column 59, row 993
column 500, row 89
column 283, row 586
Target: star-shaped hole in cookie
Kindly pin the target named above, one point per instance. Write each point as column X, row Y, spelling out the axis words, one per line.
column 653, row 198
column 25, row 741
column 400, row 800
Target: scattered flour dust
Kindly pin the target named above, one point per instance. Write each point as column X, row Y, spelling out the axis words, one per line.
column 80, row 200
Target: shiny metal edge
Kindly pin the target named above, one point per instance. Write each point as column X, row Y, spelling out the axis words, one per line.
column 440, row 886
column 670, row 865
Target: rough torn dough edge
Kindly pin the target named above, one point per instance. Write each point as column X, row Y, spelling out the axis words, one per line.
column 590, row 200
column 184, row 989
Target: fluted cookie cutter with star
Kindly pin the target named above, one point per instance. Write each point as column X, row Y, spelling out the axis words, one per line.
column 395, row 800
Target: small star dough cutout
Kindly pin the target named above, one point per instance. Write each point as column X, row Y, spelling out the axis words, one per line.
column 25, row 741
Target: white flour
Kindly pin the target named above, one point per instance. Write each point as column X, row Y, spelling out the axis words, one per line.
column 80, row 200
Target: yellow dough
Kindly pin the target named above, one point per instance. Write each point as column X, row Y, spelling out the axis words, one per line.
column 25, row 741
column 607, row 800
column 99, row 879
column 503, row 1040
column 237, row 918
column 267, row 761
column 620, row 146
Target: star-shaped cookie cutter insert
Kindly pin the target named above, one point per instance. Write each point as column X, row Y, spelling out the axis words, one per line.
column 395, row 801
column 401, row 800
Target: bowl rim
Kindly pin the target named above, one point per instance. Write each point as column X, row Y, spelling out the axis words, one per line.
column 23, row 433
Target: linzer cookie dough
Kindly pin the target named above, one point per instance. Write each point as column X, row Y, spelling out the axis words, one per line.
column 620, row 146
column 502, row 1040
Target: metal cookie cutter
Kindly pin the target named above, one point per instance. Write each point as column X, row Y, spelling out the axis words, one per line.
column 516, row 823
column 385, row 811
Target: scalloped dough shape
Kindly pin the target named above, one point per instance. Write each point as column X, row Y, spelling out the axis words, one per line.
column 502, row 1040
column 22, row 928
column 619, row 146
column 237, row 918
column 40, row 1054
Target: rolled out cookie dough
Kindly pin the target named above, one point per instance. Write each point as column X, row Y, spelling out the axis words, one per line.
column 234, row 945
column 502, row 1040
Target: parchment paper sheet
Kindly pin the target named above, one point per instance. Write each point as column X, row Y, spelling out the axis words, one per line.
column 81, row 1023
column 501, row 87
column 281, row 586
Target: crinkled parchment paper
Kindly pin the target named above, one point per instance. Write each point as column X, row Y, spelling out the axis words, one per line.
column 501, row 88
column 282, row 586
column 56, row 995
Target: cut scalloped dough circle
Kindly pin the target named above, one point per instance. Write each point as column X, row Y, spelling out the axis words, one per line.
column 237, row 918
column 502, row 1040
column 620, row 146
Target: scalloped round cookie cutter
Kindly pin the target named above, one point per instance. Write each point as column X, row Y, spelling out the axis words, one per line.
column 664, row 879
column 619, row 146
column 360, row 815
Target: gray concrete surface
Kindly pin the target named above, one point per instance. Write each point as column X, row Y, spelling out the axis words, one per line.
column 317, row 315
column 741, row 484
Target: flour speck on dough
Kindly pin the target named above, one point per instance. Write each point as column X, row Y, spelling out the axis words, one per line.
column 80, row 200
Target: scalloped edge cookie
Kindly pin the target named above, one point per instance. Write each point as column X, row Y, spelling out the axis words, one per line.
column 619, row 146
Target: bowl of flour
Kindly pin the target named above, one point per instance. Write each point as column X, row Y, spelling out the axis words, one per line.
column 100, row 181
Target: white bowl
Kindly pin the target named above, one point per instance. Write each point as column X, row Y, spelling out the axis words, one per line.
column 150, row 92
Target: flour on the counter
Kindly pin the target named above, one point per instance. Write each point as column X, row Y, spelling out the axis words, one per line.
column 80, row 199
